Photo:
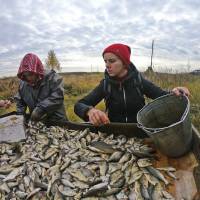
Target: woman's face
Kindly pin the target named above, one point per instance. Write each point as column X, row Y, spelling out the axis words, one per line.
column 30, row 77
column 114, row 66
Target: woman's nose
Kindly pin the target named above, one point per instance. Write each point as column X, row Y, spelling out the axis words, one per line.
column 107, row 65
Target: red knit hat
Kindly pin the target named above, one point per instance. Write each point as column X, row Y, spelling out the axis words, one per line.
column 121, row 50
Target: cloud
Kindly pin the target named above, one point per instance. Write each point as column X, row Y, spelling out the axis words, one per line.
column 80, row 30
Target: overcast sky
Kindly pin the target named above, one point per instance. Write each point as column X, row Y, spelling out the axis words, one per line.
column 79, row 30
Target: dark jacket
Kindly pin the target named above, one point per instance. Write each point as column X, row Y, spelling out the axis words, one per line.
column 48, row 96
column 124, row 99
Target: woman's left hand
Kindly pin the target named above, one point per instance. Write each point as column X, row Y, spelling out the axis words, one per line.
column 181, row 91
column 5, row 103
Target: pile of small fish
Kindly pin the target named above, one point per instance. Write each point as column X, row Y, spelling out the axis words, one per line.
column 57, row 163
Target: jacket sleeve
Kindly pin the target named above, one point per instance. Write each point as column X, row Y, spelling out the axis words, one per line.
column 20, row 104
column 89, row 101
column 56, row 96
column 151, row 90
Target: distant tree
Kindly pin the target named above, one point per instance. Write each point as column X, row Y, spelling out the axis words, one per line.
column 52, row 62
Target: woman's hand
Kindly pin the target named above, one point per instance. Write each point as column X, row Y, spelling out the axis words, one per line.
column 181, row 91
column 37, row 114
column 97, row 117
column 5, row 103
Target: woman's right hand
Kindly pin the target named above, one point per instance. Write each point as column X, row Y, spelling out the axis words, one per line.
column 97, row 117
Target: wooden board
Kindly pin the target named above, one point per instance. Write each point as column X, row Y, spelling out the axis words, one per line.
column 184, row 187
column 187, row 172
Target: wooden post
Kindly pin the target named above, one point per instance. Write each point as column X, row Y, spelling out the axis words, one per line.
column 152, row 46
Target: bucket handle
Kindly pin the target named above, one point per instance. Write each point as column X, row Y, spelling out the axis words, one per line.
column 187, row 108
column 149, row 131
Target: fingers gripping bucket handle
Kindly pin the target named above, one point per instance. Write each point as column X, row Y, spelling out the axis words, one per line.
column 166, row 120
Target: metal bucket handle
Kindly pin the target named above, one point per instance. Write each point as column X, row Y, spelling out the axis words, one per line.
column 187, row 108
column 155, row 130
column 148, row 130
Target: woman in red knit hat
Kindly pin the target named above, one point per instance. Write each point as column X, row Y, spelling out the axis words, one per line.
column 123, row 90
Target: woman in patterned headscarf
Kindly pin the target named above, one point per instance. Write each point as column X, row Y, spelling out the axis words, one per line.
column 40, row 90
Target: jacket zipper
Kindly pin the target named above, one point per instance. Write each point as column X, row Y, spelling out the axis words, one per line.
column 124, row 94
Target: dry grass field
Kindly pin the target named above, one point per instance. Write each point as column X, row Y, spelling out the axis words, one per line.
column 77, row 85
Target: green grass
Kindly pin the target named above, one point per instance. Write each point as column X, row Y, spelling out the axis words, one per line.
column 79, row 84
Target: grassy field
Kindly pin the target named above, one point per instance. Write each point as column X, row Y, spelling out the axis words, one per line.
column 77, row 85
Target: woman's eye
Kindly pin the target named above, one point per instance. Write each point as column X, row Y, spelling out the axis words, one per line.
column 111, row 61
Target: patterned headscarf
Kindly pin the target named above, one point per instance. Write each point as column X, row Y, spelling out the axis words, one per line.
column 31, row 63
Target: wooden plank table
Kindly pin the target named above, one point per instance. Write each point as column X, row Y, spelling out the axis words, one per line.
column 187, row 184
column 184, row 187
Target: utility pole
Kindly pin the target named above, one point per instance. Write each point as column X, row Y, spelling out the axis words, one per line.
column 150, row 68
column 152, row 48
column 188, row 66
